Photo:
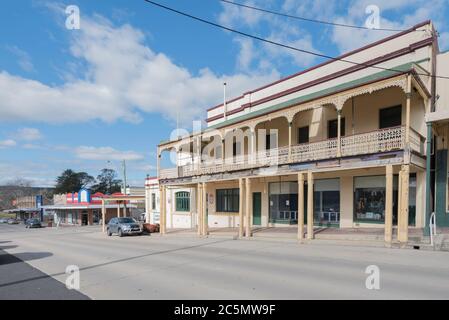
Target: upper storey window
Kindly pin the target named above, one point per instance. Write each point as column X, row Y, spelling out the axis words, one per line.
column 390, row 117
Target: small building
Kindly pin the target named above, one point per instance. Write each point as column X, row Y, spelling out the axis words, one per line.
column 83, row 208
column 27, row 207
column 180, row 206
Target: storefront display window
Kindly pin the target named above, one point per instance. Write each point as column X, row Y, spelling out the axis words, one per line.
column 327, row 202
column 369, row 198
column 283, row 198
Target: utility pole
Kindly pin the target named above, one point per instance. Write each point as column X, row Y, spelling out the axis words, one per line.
column 124, row 176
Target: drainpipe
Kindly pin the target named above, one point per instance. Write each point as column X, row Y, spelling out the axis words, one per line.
column 428, row 178
column 429, row 131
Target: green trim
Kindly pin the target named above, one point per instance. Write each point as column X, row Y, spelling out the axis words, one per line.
column 428, row 178
column 377, row 76
column 441, row 188
column 182, row 201
column 315, row 95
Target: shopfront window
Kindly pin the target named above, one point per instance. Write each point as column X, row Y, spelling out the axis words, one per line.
column 369, row 198
column 227, row 200
column 327, row 202
column 283, row 198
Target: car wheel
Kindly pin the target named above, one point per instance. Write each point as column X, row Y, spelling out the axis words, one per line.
column 109, row 232
column 120, row 233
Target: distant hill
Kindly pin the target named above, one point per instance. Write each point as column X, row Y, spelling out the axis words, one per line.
column 10, row 193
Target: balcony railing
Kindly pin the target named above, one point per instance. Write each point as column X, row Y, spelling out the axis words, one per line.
column 373, row 142
column 383, row 140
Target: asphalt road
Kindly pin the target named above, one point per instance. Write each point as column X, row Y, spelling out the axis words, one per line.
column 20, row 281
column 186, row 267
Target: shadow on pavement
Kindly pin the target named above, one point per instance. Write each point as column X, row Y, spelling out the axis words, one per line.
column 8, row 247
column 6, row 258
column 21, row 281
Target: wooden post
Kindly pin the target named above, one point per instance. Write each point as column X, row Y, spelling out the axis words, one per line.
column 309, row 205
column 289, row 141
column 403, row 215
column 118, row 209
column 338, row 132
column 204, row 215
column 163, row 215
column 103, row 215
column 241, row 206
column 248, row 210
column 407, row 111
column 199, row 194
column 300, row 206
column 253, row 157
column 389, row 204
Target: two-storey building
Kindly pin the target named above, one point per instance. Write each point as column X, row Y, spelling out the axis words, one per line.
column 343, row 144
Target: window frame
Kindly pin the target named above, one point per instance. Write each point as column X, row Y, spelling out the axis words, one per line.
column 342, row 127
column 299, row 136
column 227, row 200
column 399, row 106
column 153, row 201
column 182, row 201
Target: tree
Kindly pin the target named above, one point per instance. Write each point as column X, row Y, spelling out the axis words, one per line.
column 107, row 182
column 71, row 181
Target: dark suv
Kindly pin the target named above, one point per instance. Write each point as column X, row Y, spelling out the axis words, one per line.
column 123, row 226
column 33, row 223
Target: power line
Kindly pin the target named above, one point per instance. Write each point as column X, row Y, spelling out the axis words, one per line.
column 308, row 19
column 281, row 44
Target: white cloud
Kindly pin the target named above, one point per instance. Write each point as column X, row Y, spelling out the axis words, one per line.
column 28, row 134
column 123, row 78
column 23, row 58
column 317, row 9
column 247, row 53
column 280, row 29
column 232, row 14
column 7, row 143
column 407, row 13
column 105, row 153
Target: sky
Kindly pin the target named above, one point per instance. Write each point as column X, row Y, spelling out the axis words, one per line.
column 88, row 98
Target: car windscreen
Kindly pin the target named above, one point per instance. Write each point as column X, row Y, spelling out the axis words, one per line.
column 126, row 220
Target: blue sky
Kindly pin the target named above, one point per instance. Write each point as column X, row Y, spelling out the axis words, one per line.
column 85, row 99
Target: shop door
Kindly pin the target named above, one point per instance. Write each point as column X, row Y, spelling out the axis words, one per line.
column 257, row 208
column 84, row 218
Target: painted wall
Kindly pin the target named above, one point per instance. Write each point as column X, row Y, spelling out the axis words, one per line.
column 365, row 55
